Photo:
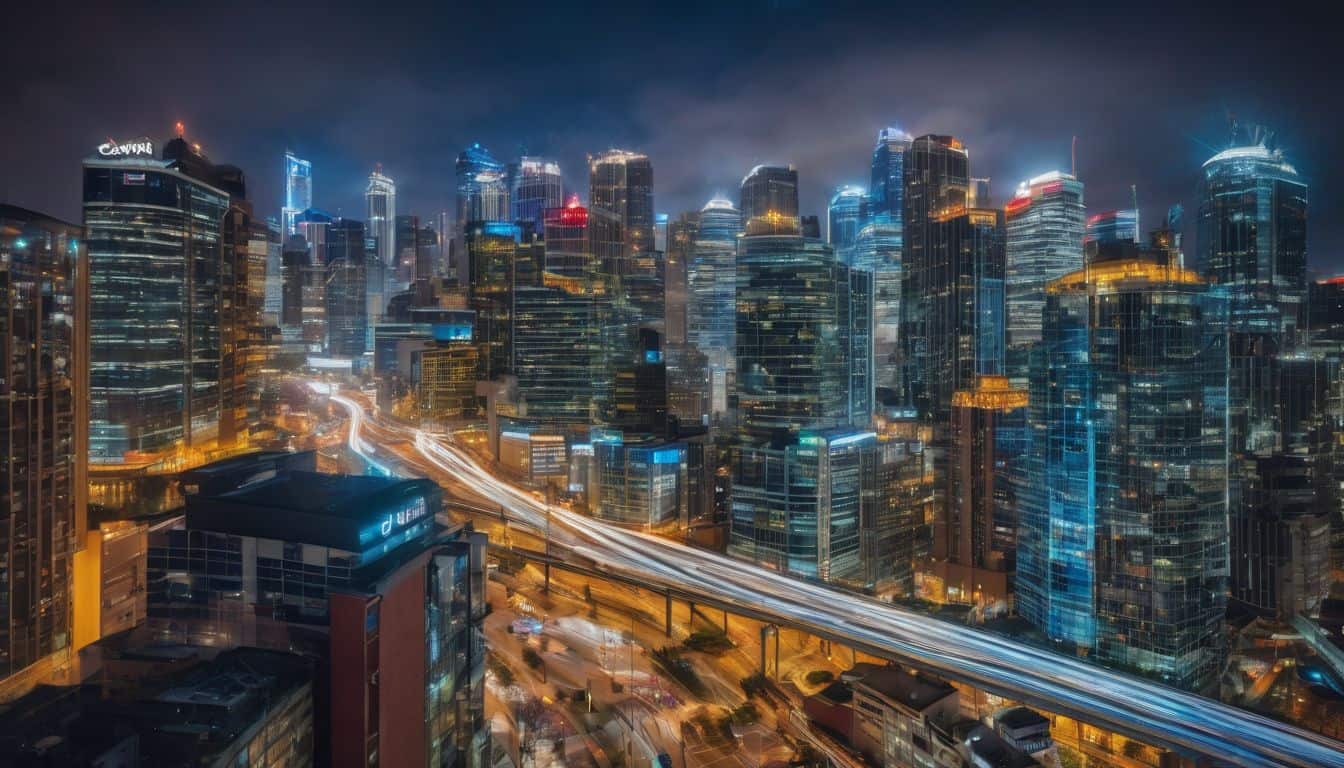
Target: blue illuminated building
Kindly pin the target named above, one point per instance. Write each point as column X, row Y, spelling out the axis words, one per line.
column 712, row 317
column 1123, row 544
column 845, row 215
column 644, row 482
column 298, row 190
column 886, row 187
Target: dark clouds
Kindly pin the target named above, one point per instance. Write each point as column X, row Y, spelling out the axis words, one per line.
column 707, row 90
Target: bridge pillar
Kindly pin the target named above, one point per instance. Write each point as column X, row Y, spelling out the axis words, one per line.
column 546, row 588
column 766, row 631
column 668, row 630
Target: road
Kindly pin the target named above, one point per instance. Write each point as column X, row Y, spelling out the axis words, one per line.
column 1156, row 714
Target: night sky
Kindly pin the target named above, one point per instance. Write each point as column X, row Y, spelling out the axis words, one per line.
column 707, row 90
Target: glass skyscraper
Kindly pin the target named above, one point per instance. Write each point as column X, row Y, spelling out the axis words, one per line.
column 155, row 252
column 886, row 188
column 1045, row 224
column 557, row 356
column 620, row 185
column 937, row 175
column 346, row 291
column 534, row 186
column 381, row 199
column 877, row 249
column 712, row 318
column 1123, row 542
column 298, row 190
column 769, row 190
column 1110, row 227
column 482, row 190
column 43, row 430
column 845, row 215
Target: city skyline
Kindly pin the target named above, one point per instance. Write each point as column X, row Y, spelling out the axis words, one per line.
column 1137, row 123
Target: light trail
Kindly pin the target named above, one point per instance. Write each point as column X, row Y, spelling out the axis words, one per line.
column 1158, row 714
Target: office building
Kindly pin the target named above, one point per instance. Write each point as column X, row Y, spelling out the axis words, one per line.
column 313, row 224
column 937, row 178
column 1044, row 241
column 1123, row 539
column 44, row 302
column 796, row 361
column 535, row 185
column 346, row 290
column 1253, row 229
column 491, row 250
column 1116, row 226
column 961, row 314
column 356, row 571
column 155, row 232
column 565, row 231
column 621, row 187
column 642, row 482
column 712, row 318
column 639, row 388
column 769, row 191
column 886, row 187
column 381, row 202
column 975, row 532
column 298, row 191
column 681, row 234
column 557, row 357
column 482, row 190
column 798, row 507
column 877, row 250
column 846, row 214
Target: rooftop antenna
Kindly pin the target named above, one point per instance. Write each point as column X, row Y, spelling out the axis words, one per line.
column 1232, row 126
column 1073, row 158
column 1134, row 200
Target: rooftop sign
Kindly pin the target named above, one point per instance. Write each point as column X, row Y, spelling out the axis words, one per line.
column 141, row 147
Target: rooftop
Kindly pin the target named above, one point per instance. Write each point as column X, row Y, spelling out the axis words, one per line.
column 914, row 691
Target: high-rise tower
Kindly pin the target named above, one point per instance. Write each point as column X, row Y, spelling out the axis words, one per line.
column 298, row 190
column 43, row 430
column 1044, row 223
column 381, row 197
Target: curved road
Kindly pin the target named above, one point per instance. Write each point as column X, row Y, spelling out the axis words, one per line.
column 1164, row 716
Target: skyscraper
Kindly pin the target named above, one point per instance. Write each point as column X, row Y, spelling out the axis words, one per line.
column 937, row 175
column 534, row 185
column 1110, row 227
column 566, row 235
column 1253, row 241
column 769, row 191
column 794, row 358
column 1123, row 537
column 681, row 236
column 845, row 215
column 154, row 237
column 381, row 197
column 877, row 249
column 805, row 461
column 886, row 188
column 298, row 190
column 1253, row 229
column 482, row 190
column 621, row 186
column 346, row 291
column 712, row 319
column 491, row 251
column 1045, row 223
column 963, row 307
column 557, row 357
column 43, row 429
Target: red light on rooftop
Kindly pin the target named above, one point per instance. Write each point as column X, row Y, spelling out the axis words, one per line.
column 1052, row 188
column 1336, row 280
column 1017, row 205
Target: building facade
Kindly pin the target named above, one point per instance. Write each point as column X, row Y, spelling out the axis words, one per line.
column 44, row 301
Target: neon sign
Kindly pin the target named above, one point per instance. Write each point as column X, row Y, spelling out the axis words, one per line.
column 403, row 517
column 141, row 147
